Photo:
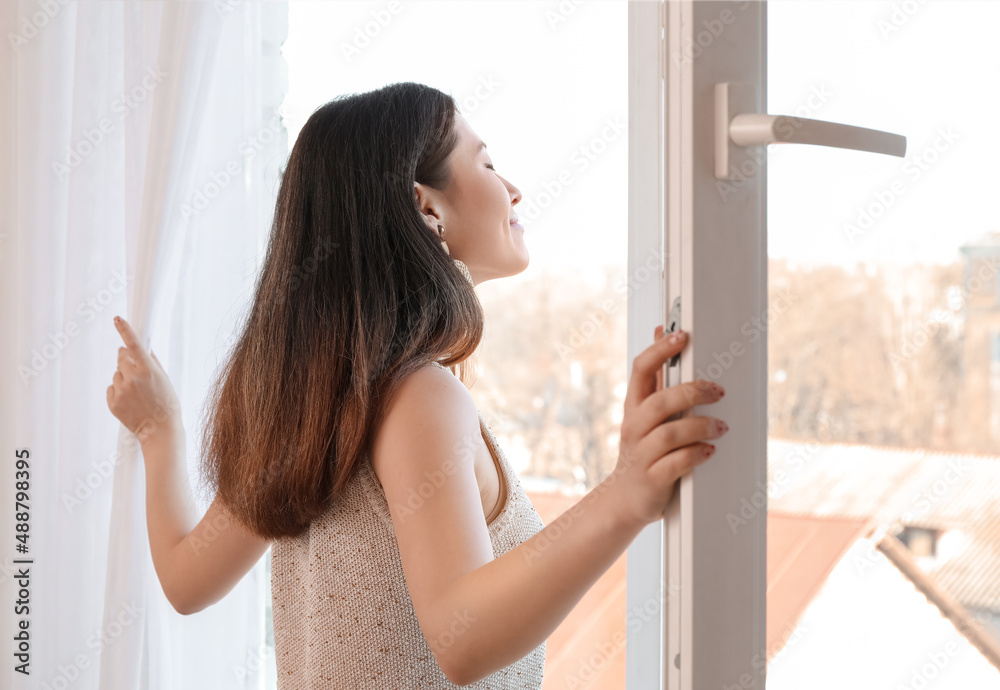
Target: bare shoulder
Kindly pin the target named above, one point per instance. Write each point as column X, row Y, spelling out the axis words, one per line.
column 431, row 404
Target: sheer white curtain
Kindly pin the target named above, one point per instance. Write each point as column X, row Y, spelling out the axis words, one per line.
column 140, row 152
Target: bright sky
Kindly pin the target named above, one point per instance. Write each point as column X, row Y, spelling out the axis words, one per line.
column 542, row 87
column 918, row 75
column 536, row 93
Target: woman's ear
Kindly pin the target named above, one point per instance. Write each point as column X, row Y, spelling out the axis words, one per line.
column 425, row 207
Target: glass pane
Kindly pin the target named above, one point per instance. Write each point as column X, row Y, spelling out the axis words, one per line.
column 883, row 403
column 553, row 111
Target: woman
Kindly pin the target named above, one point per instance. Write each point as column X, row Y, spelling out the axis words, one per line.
column 405, row 552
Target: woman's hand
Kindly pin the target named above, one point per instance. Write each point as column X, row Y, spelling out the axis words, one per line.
column 654, row 453
column 140, row 394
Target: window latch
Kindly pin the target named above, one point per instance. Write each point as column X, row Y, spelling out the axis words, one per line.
column 673, row 324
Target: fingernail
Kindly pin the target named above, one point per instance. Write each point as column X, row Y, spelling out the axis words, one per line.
column 709, row 449
column 117, row 320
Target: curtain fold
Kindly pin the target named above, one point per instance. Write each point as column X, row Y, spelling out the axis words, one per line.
column 140, row 151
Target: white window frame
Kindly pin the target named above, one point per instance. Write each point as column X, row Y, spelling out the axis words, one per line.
column 696, row 607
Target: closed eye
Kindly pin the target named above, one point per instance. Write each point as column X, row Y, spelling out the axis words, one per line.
column 490, row 166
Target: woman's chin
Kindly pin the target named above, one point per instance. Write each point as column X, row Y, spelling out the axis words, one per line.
column 521, row 254
column 515, row 268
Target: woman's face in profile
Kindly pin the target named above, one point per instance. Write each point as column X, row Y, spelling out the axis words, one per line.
column 477, row 211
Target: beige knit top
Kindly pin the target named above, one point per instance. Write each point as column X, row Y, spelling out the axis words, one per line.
column 342, row 613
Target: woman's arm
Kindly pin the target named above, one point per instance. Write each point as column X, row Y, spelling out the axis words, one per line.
column 197, row 564
column 480, row 614
column 197, row 561
column 520, row 598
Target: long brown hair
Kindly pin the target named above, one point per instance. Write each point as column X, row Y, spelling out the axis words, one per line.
column 355, row 293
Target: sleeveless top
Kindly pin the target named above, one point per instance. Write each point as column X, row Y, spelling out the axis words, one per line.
column 342, row 613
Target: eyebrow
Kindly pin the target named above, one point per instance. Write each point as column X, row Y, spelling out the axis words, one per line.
column 482, row 145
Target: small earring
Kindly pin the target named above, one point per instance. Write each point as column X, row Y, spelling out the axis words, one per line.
column 458, row 262
column 443, row 243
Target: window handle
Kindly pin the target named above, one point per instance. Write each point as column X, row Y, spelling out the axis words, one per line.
column 736, row 125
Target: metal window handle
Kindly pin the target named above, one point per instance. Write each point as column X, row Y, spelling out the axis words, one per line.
column 736, row 125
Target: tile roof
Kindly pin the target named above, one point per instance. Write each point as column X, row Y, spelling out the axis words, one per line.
column 899, row 487
column 966, row 624
column 801, row 553
column 870, row 627
column 821, row 499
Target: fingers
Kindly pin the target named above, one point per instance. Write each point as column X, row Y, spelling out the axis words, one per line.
column 646, row 364
column 661, row 404
column 131, row 340
column 676, row 464
column 666, row 438
column 125, row 358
